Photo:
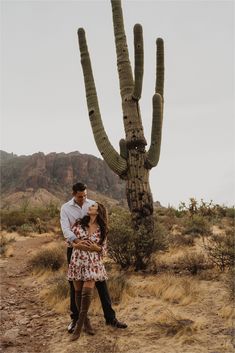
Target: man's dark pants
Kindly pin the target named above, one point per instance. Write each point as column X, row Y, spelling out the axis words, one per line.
column 109, row 313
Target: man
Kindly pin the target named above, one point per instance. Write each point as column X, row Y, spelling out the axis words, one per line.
column 71, row 211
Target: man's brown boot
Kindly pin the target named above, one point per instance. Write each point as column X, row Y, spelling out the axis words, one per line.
column 85, row 303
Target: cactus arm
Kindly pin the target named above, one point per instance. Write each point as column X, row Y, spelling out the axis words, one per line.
column 123, row 62
column 159, row 87
column 123, row 149
column 110, row 155
column 139, row 61
column 153, row 153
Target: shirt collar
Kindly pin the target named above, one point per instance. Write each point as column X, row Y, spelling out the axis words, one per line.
column 72, row 201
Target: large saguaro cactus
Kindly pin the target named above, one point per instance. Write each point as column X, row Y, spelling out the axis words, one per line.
column 133, row 163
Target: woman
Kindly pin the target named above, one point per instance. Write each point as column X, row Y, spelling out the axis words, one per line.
column 86, row 267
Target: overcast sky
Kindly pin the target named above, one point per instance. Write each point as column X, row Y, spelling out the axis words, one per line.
column 43, row 98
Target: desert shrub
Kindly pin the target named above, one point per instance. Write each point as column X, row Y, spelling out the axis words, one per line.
column 191, row 208
column 4, row 241
column 13, row 218
column 170, row 325
column 53, row 210
column 128, row 247
column 179, row 239
column 206, row 209
column 196, row 225
column 36, row 218
column 117, row 284
column 161, row 241
column 25, row 229
column 121, row 245
column 193, row 262
column 48, row 258
column 220, row 249
column 59, row 287
column 230, row 212
column 230, row 283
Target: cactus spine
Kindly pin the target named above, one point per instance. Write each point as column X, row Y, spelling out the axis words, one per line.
column 133, row 163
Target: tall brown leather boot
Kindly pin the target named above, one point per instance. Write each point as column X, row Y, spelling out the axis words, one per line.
column 87, row 327
column 78, row 297
column 87, row 294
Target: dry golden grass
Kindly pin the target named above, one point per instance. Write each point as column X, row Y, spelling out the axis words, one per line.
column 5, row 244
column 228, row 312
column 171, row 324
column 168, row 287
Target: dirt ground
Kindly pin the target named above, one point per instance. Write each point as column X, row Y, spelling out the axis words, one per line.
column 202, row 324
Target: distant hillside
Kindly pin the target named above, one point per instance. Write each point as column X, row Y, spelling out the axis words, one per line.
column 55, row 173
column 4, row 156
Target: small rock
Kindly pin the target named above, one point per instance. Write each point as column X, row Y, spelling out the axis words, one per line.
column 6, row 342
column 12, row 302
column 35, row 316
column 4, row 316
column 12, row 290
column 22, row 306
column 23, row 333
column 23, row 321
column 11, row 334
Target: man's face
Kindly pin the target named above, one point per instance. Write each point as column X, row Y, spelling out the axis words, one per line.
column 80, row 197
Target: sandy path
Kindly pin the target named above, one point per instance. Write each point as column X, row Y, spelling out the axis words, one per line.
column 25, row 323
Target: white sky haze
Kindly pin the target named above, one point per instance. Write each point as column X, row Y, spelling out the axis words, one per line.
column 43, row 97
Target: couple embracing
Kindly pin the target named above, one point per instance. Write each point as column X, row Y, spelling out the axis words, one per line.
column 84, row 225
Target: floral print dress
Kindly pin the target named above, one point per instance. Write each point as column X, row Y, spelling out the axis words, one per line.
column 87, row 265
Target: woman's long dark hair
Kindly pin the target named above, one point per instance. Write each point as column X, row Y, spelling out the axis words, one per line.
column 102, row 221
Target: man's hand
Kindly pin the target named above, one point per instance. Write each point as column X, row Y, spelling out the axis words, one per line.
column 86, row 245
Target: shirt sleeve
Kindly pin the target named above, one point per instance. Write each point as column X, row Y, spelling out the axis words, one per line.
column 65, row 226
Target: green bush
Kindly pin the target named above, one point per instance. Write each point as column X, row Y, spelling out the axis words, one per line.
column 25, row 229
column 133, row 248
column 196, row 225
column 48, row 258
column 220, row 250
column 13, row 218
column 230, row 212
column 121, row 245
column 37, row 218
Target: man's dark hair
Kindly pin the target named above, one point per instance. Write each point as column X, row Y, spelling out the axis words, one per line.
column 79, row 187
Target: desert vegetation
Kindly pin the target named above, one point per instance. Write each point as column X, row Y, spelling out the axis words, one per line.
column 190, row 260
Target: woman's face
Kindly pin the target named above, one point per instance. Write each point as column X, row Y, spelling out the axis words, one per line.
column 93, row 210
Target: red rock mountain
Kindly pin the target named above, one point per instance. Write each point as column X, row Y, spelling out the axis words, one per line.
column 56, row 173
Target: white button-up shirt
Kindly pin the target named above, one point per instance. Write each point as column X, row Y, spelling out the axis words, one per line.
column 70, row 212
